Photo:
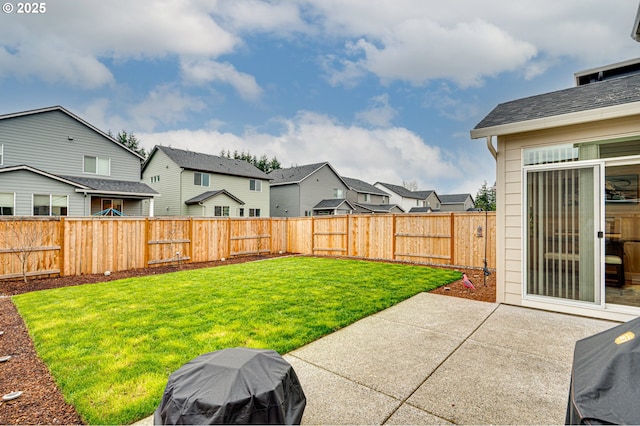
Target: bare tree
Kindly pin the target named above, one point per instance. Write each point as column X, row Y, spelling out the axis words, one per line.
column 410, row 185
column 23, row 239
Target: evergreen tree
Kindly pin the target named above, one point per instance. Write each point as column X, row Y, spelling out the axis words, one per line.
column 486, row 198
column 130, row 141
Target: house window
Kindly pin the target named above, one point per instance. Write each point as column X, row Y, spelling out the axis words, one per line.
column 366, row 198
column 1, row 154
column 97, row 165
column 155, row 179
column 255, row 185
column 241, row 212
column 50, row 205
column 254, row 212
column 338, row 193
column 221, row 211
column 6, row 204
column 201, row 179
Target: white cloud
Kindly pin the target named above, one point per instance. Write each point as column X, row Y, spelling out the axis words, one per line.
column 390, row 155
column 203, row 71
column 379, row 114
column 164, row 105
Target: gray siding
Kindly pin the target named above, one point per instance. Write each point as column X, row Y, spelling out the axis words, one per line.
column 47, row 135
column 285, row 201
column 319, row 186
column 24, row 184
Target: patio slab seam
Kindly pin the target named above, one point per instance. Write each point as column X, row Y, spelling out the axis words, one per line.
column 404, row 400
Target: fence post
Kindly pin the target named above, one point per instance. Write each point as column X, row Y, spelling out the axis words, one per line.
column 452, row 237
column 313, row 235
column 393, row 237
column 62, row 244
column 147, row 238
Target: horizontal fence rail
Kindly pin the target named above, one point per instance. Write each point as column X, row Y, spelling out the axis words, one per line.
column 66, row 246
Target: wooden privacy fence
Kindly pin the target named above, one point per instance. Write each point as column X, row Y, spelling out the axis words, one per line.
column 88, row 245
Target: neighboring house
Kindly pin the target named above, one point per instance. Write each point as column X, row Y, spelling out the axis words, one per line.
column 53, row 163
column 366, row 198
column 568, row 211
column 408, row 199
column 456, row 202
column 204, row 185
column 308, row 190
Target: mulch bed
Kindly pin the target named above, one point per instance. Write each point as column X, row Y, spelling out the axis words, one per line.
column 42, row 401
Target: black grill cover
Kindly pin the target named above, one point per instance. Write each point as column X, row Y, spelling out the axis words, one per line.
column 605, row 381
column 233, row 386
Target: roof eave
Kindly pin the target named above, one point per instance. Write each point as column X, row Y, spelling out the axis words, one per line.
column 580, row 117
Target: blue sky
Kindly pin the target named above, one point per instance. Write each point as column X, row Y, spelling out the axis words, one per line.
column 383, row 90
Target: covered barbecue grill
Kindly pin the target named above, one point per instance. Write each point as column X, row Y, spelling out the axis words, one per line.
column 605, row 380
column 233, row 386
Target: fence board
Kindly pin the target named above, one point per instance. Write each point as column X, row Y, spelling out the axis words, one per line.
column 75, row 246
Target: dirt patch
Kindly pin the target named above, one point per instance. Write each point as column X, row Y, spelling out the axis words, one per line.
column 42, row 401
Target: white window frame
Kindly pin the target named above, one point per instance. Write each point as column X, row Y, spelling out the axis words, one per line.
column 13, row 203
column 1, row 154
column 50, row 205
column 255, row 185
column 102, row 163
column 202, row 179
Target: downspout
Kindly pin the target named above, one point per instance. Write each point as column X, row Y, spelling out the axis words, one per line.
column 492, row 149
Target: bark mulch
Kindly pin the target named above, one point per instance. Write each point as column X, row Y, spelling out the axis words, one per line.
column 42, row 402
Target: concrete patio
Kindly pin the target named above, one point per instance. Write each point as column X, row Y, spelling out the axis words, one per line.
column 436, row 359
column 442, row 360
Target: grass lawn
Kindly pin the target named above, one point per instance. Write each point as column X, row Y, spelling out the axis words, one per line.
column 112, row 346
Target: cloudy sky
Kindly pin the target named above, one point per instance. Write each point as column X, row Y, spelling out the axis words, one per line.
column 385, row 90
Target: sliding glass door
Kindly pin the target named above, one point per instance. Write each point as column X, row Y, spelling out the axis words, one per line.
column 562, row 247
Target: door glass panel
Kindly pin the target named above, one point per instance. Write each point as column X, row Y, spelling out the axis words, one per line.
column 560, row 239
column 622, row 235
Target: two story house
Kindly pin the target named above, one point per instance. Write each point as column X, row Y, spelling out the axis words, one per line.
column 456, row 202
column 366, row 198
column 204, row 185
column 309, row 190
column 53, row 163
column 411, row 201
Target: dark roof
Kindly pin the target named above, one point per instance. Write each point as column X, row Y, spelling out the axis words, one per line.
column 363, row 187
column 378, row 208
column 331, row 203
column 400, row 190
column 406, row 193
column 454, row 198
column 209, row 163
column 421, row 210
column 110, row 185
column 73, row 116
column 606, row 93
column 295, row 174
column 210, row 194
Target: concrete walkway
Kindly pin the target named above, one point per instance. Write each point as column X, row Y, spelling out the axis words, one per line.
column 439, row 359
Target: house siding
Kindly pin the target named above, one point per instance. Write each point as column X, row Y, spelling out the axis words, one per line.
column 285, row 201
column 176, row 186
column 169, row 203
column 49, row 133
column 509, row 202
column 319, row 186
column 32, row 183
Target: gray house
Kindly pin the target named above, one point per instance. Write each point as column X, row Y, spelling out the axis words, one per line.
column 411, row 201
column 204, row 185
column 53, row 163
column 456, row 202
column 312, row 189
column 366, row 198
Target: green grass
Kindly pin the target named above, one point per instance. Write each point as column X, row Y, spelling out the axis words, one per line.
column 112, row 346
